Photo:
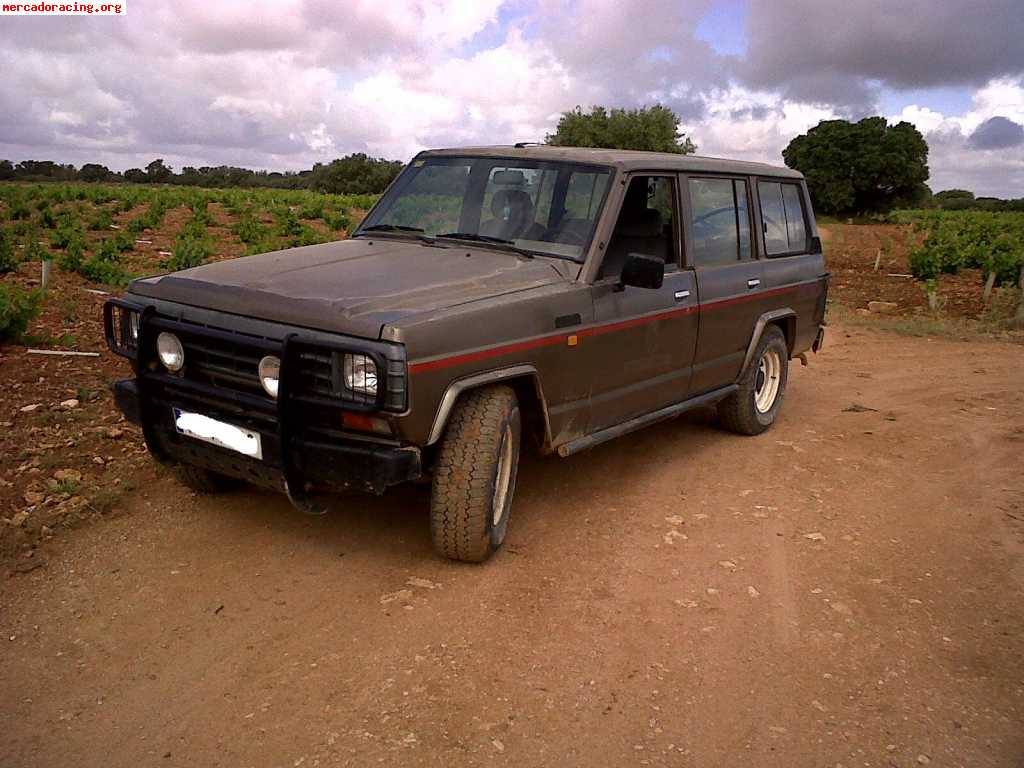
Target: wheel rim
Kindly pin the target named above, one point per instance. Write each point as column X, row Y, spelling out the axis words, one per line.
column 769, row 374
column 503, row 476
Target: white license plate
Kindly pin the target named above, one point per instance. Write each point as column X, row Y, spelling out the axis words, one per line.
column 218, row 433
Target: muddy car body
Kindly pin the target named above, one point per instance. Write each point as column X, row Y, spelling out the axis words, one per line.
column 491, row 297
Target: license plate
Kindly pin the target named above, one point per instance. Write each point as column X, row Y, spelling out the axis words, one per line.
column 218, row 433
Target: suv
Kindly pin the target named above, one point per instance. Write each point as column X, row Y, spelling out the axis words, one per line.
column 492, row 295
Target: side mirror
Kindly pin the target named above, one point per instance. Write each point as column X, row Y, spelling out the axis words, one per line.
column 643, row 271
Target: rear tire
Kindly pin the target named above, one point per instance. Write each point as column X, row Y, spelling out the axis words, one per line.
column 475, row 475
column 752, row 408
column 203, row 480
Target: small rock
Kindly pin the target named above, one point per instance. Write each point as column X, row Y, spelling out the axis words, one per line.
column 18, row 518
column 882, row 307
column 416, row 581
column 30, row 408
column 114, row 433
column 69, row 405
column 674, row 520
column 923, row 759
column 401, row 594
column 98, row 460
column 34, row 497
column 498, row 745
column 71, row 475
column 819, row 706
column 815, row 536
column 842, row 608
column 673, row 534
column 729, row 565
column 752, row 591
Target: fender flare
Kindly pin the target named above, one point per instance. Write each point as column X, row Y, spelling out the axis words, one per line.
column 762, row 322
column 456, row 388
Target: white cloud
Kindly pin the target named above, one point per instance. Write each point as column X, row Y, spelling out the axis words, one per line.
column 285, row 83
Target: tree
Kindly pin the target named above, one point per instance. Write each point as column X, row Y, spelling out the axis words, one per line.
column 158, row 173
column 6, row 170
column 655, row 129
column 94, row 172
column 136, row 176
column 354, row 175
column 860, row 167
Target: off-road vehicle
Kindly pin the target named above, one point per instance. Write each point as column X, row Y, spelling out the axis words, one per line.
column 492, row 295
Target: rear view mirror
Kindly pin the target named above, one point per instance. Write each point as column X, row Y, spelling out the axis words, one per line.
column 643, row 271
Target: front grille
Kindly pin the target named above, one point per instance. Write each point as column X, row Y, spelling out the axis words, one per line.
column 223, row 364
column 220, row 359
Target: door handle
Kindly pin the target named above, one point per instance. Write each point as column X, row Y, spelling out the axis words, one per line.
column 680, row 295
column 753, row 283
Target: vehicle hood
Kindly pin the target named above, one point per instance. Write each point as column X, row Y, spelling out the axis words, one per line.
column 352, row 286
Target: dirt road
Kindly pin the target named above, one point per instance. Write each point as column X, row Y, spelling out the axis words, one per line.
column 844, row 590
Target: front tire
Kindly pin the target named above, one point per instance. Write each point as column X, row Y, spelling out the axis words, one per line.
column 475, row 475
column 752, row 408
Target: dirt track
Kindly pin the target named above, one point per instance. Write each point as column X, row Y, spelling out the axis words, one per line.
column 659, row 601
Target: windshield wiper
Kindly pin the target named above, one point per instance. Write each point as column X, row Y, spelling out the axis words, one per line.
column 490, row 240
column 390, row 228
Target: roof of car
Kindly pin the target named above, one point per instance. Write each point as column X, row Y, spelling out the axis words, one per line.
column 625, row 159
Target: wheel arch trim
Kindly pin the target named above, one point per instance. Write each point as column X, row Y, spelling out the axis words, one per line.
column 457, row 388
column 763, row 322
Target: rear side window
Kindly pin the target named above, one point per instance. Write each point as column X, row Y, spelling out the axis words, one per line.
column 721, row 223
column 782, row 218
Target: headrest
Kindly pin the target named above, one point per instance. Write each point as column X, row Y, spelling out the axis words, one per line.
column 645, row 223
column 509, row 178
column 516, row 200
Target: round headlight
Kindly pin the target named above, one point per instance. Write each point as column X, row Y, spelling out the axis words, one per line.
column 270, row 373
column 170, row 351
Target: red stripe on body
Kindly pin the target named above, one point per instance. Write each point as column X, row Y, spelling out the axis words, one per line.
column 597, row 330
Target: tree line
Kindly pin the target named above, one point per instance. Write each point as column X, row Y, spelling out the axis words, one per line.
column 356, row 174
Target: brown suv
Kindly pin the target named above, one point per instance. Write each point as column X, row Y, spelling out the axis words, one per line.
column 572, row 295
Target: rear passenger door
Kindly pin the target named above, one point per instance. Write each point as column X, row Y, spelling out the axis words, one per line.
column 720, row 250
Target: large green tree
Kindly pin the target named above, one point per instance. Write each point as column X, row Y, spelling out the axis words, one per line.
column 655, row 129
column 355, row 174
column 861, row 167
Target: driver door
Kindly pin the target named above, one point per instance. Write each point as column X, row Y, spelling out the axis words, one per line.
column 643, row 343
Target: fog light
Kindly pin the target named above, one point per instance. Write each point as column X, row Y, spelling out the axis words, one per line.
column 170, row 351
column 270, row 374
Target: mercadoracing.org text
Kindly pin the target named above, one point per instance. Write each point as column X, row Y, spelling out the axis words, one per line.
column 64, row 9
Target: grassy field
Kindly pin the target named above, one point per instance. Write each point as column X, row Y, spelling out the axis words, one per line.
column 111, row 233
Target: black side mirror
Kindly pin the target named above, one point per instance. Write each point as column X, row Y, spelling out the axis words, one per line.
column 643, row 271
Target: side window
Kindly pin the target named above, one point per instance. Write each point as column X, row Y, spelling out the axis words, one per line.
column 794, row 217
column 782, row 217
column 646, row 224
column 721, row 221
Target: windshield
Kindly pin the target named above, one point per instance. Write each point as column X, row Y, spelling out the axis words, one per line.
column 547, row 208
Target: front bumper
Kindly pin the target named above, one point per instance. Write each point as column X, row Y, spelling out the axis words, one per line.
column 299, row 464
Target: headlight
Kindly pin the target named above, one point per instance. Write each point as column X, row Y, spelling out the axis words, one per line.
column 360, row 374
column 170, row 351
column 270, row 374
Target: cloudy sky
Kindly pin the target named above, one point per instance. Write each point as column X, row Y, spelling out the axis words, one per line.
column 281, row 84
